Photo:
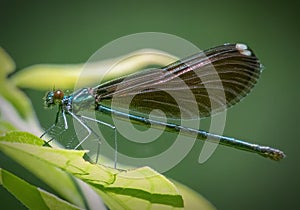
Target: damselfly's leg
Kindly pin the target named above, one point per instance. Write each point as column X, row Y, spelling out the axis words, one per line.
column 52, row 138
column 115, row 136
column 52, row 126
column 55, row 124
column 84, row 125
column 97, row 136
column 48, row 130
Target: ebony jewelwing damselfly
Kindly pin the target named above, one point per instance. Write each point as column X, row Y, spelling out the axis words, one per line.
column 237, row 69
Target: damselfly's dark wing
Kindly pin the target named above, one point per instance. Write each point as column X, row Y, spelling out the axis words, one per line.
column 198, row 86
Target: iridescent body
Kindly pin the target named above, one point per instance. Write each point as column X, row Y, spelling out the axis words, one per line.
column 238, row 70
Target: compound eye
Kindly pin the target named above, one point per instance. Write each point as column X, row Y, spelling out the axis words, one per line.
column 58, row 95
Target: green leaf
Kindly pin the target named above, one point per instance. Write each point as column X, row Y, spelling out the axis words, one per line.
column 57, row 179
column 10, row 119
column 133, row 189
column 22, row 137
column 9, row 91
column 16, row 110
column 149, row 189
column 192, row 199
column 7, row 65
column 31, row 196
column 47, row 76
column 55, row 203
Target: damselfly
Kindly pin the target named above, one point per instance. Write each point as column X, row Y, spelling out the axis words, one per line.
column 230, row 70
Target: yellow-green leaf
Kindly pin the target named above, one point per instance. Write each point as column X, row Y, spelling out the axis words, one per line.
column 129, row 189
column 47, row 76
column 8, row 90
column 31, row 196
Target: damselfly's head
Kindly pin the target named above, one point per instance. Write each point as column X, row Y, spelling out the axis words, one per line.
column 54, row 97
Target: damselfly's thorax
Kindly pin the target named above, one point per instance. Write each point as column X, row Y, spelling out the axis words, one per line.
column 83, row 99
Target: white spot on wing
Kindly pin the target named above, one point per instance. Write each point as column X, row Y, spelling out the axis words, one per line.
column 243, row 49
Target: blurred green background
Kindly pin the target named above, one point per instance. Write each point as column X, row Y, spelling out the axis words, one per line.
column 70, row 32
